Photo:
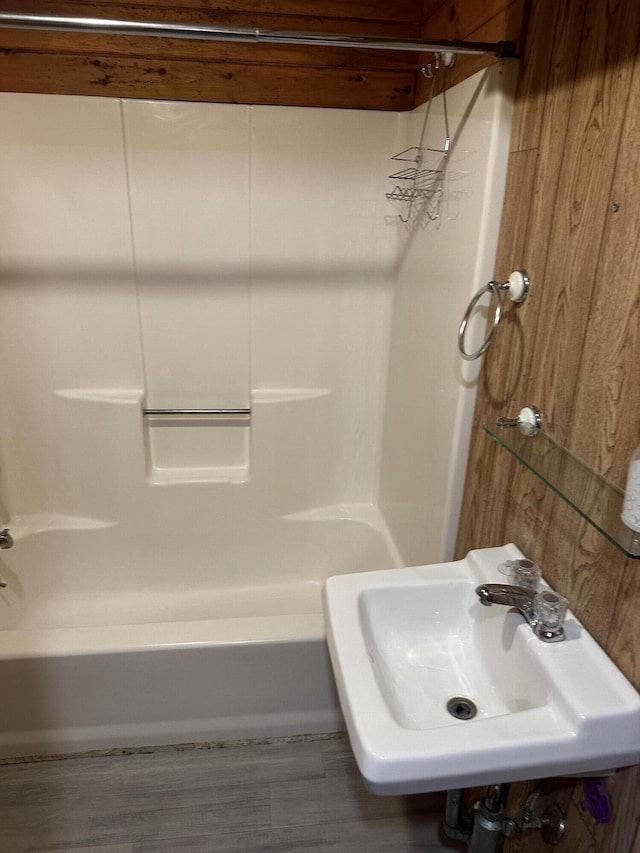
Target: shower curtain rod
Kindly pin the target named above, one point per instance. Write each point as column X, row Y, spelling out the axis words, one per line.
column 9, row 20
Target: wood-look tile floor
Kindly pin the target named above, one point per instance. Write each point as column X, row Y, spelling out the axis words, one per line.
column 281, row 796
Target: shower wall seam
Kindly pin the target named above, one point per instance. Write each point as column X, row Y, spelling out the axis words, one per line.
column 134, row 258
column 250, row 248
column 400, row 120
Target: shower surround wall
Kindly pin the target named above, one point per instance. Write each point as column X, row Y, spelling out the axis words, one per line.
column 163, row 255
column 199, row 204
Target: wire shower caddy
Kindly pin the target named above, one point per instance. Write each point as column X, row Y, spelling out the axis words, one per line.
column 420, row 187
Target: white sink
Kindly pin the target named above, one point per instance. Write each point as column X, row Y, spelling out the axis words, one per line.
column 406, row 641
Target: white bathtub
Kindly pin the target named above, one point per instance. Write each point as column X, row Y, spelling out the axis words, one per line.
column 71, row 690
column 113, row 667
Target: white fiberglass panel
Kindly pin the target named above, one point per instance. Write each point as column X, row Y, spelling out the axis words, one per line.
column 322, row 273
column 440, row 265
column 203, row 255
column 189, row 184
column 68, row 311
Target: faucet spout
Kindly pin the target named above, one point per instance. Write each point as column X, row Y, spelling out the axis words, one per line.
column 545, row 612
column 508, row 595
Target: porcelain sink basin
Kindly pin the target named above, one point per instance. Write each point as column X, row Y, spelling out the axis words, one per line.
column 439, row 691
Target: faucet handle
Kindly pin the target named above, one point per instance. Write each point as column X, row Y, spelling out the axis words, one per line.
column 549, row 611
column 526, row 574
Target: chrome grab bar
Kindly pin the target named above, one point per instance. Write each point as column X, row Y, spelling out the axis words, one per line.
column 198, row 417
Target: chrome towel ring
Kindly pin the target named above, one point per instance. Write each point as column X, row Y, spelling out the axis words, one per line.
column 516, row 286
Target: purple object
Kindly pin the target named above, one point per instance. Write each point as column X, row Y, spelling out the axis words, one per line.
column 596, row 800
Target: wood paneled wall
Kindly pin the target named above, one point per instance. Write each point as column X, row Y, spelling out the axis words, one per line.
column 573, row 349
column 177, row 69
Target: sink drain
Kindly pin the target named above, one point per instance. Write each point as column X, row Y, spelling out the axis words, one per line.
column 461, row 708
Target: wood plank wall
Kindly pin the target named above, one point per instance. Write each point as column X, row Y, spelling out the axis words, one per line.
column 573, row 349
column 177, row 69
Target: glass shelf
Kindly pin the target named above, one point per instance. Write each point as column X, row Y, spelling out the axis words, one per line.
column 595, row 498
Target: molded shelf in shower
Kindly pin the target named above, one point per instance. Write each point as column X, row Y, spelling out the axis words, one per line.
column 596, row 499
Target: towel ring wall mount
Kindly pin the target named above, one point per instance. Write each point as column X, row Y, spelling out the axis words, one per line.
column 516, row 287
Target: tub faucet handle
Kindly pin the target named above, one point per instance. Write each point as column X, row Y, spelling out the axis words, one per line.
column 6, row 540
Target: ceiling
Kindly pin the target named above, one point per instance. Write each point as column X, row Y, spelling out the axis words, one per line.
column 296, row 75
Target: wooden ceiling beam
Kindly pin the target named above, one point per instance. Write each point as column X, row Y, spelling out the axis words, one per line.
column 294, row 75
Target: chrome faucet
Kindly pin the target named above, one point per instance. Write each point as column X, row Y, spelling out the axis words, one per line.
column 544, row 611
column 510, row 596
column 6, row 541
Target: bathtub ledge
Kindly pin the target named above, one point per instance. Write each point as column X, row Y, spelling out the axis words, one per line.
column 49, row 642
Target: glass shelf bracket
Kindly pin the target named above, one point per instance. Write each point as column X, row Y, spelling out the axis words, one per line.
column 592, row 496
